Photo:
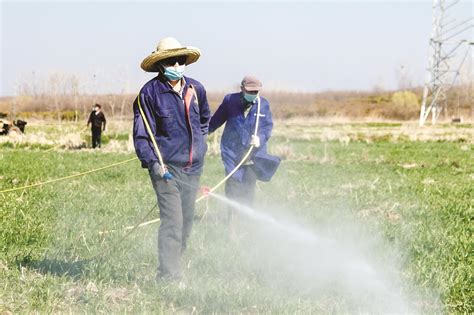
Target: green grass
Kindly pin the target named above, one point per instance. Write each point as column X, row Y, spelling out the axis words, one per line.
column 417, row 195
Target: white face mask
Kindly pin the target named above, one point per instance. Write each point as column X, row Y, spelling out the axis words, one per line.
column 174, row 73
column 250, row 97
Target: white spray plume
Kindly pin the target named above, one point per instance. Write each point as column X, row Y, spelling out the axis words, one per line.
column 290, row 257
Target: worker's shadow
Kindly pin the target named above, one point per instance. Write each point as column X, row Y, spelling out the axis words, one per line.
column 59, row 268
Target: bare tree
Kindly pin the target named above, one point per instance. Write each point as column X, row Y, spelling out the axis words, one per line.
column 404, row 78
column 110, row 99
column 54, row 82
column 124, row 98
column 74, row 81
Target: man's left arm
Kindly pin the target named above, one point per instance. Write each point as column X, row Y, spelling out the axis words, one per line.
column 266, row 125
column 204, row 111
column 104, row 122
column 89, row 121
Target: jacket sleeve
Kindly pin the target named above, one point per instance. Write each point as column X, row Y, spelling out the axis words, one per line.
column 104, row 120
column 141, row 139
column 89, row 121
column 219, row 117
column 204, row 111
column 266, row 126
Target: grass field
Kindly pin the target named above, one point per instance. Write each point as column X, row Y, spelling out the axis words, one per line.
column 413, row 199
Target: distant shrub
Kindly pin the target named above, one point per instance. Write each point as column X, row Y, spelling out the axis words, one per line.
column 321, row 112
column 378, row 99
column 68, row 115
column 405, row 99
column 403, row 105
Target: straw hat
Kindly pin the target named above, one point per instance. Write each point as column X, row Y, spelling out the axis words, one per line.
column 169, row 47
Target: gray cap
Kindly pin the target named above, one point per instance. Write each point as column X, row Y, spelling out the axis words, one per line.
column 251, row 83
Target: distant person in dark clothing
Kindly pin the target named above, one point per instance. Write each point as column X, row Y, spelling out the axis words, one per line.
column 97, row 121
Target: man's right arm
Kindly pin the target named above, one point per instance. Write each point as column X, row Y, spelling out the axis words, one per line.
column 141, row 138
column 89, row 121
column 219, row 117
column 104, row 121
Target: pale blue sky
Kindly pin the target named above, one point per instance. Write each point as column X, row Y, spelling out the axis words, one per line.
column 308, row 46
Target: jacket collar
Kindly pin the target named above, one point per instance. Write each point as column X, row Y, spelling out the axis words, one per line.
column 164, row 86
column 244, row 102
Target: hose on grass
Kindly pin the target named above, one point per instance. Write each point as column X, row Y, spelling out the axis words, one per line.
column 108, row 249
column 158, row 153
column 157, row 150
column 155, row 145
column 67, row 177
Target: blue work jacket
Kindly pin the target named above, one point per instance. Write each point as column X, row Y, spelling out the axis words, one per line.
column 180, row 132
column 238, row 130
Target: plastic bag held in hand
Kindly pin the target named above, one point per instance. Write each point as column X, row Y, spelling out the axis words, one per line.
column 255, row 141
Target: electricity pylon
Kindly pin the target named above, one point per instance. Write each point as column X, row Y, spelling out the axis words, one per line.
column 444, row 63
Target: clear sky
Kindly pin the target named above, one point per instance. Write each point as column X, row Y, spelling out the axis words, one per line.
column 307, row 46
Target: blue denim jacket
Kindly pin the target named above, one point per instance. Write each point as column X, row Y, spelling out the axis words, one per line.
column 237, row 133
column 180, row 133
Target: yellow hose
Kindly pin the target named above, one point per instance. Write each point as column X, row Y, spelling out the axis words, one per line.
column 150, row 134
column 228, row 175
column 213, row 188
column 66, row 177
column 243, row 159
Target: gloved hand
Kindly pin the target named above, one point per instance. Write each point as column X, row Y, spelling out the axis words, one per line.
column 255, row 141
column 161, row 171
column 167, row 175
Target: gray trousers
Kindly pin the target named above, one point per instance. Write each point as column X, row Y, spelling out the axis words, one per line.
column 244, row 191
column 176, row 199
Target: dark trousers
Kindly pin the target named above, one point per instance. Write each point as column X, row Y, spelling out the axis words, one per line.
column 244, row 191
column 96, row 132
column 176, row 199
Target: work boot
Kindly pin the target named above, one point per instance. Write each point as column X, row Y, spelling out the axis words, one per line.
column 161, row 277
column 171, row 281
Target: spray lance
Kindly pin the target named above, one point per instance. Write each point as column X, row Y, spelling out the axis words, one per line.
column 163, row 171
column 205, row 191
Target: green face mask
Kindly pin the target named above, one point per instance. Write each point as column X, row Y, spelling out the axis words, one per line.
column 250, row 97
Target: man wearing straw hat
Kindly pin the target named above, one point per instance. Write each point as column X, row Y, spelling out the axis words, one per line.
column 174, row 109
column 239, row 111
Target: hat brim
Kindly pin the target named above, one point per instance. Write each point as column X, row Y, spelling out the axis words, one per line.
column 151, row 63
column 252, row 88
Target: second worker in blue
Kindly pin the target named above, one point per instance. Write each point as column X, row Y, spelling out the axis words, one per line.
column 240, row 111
